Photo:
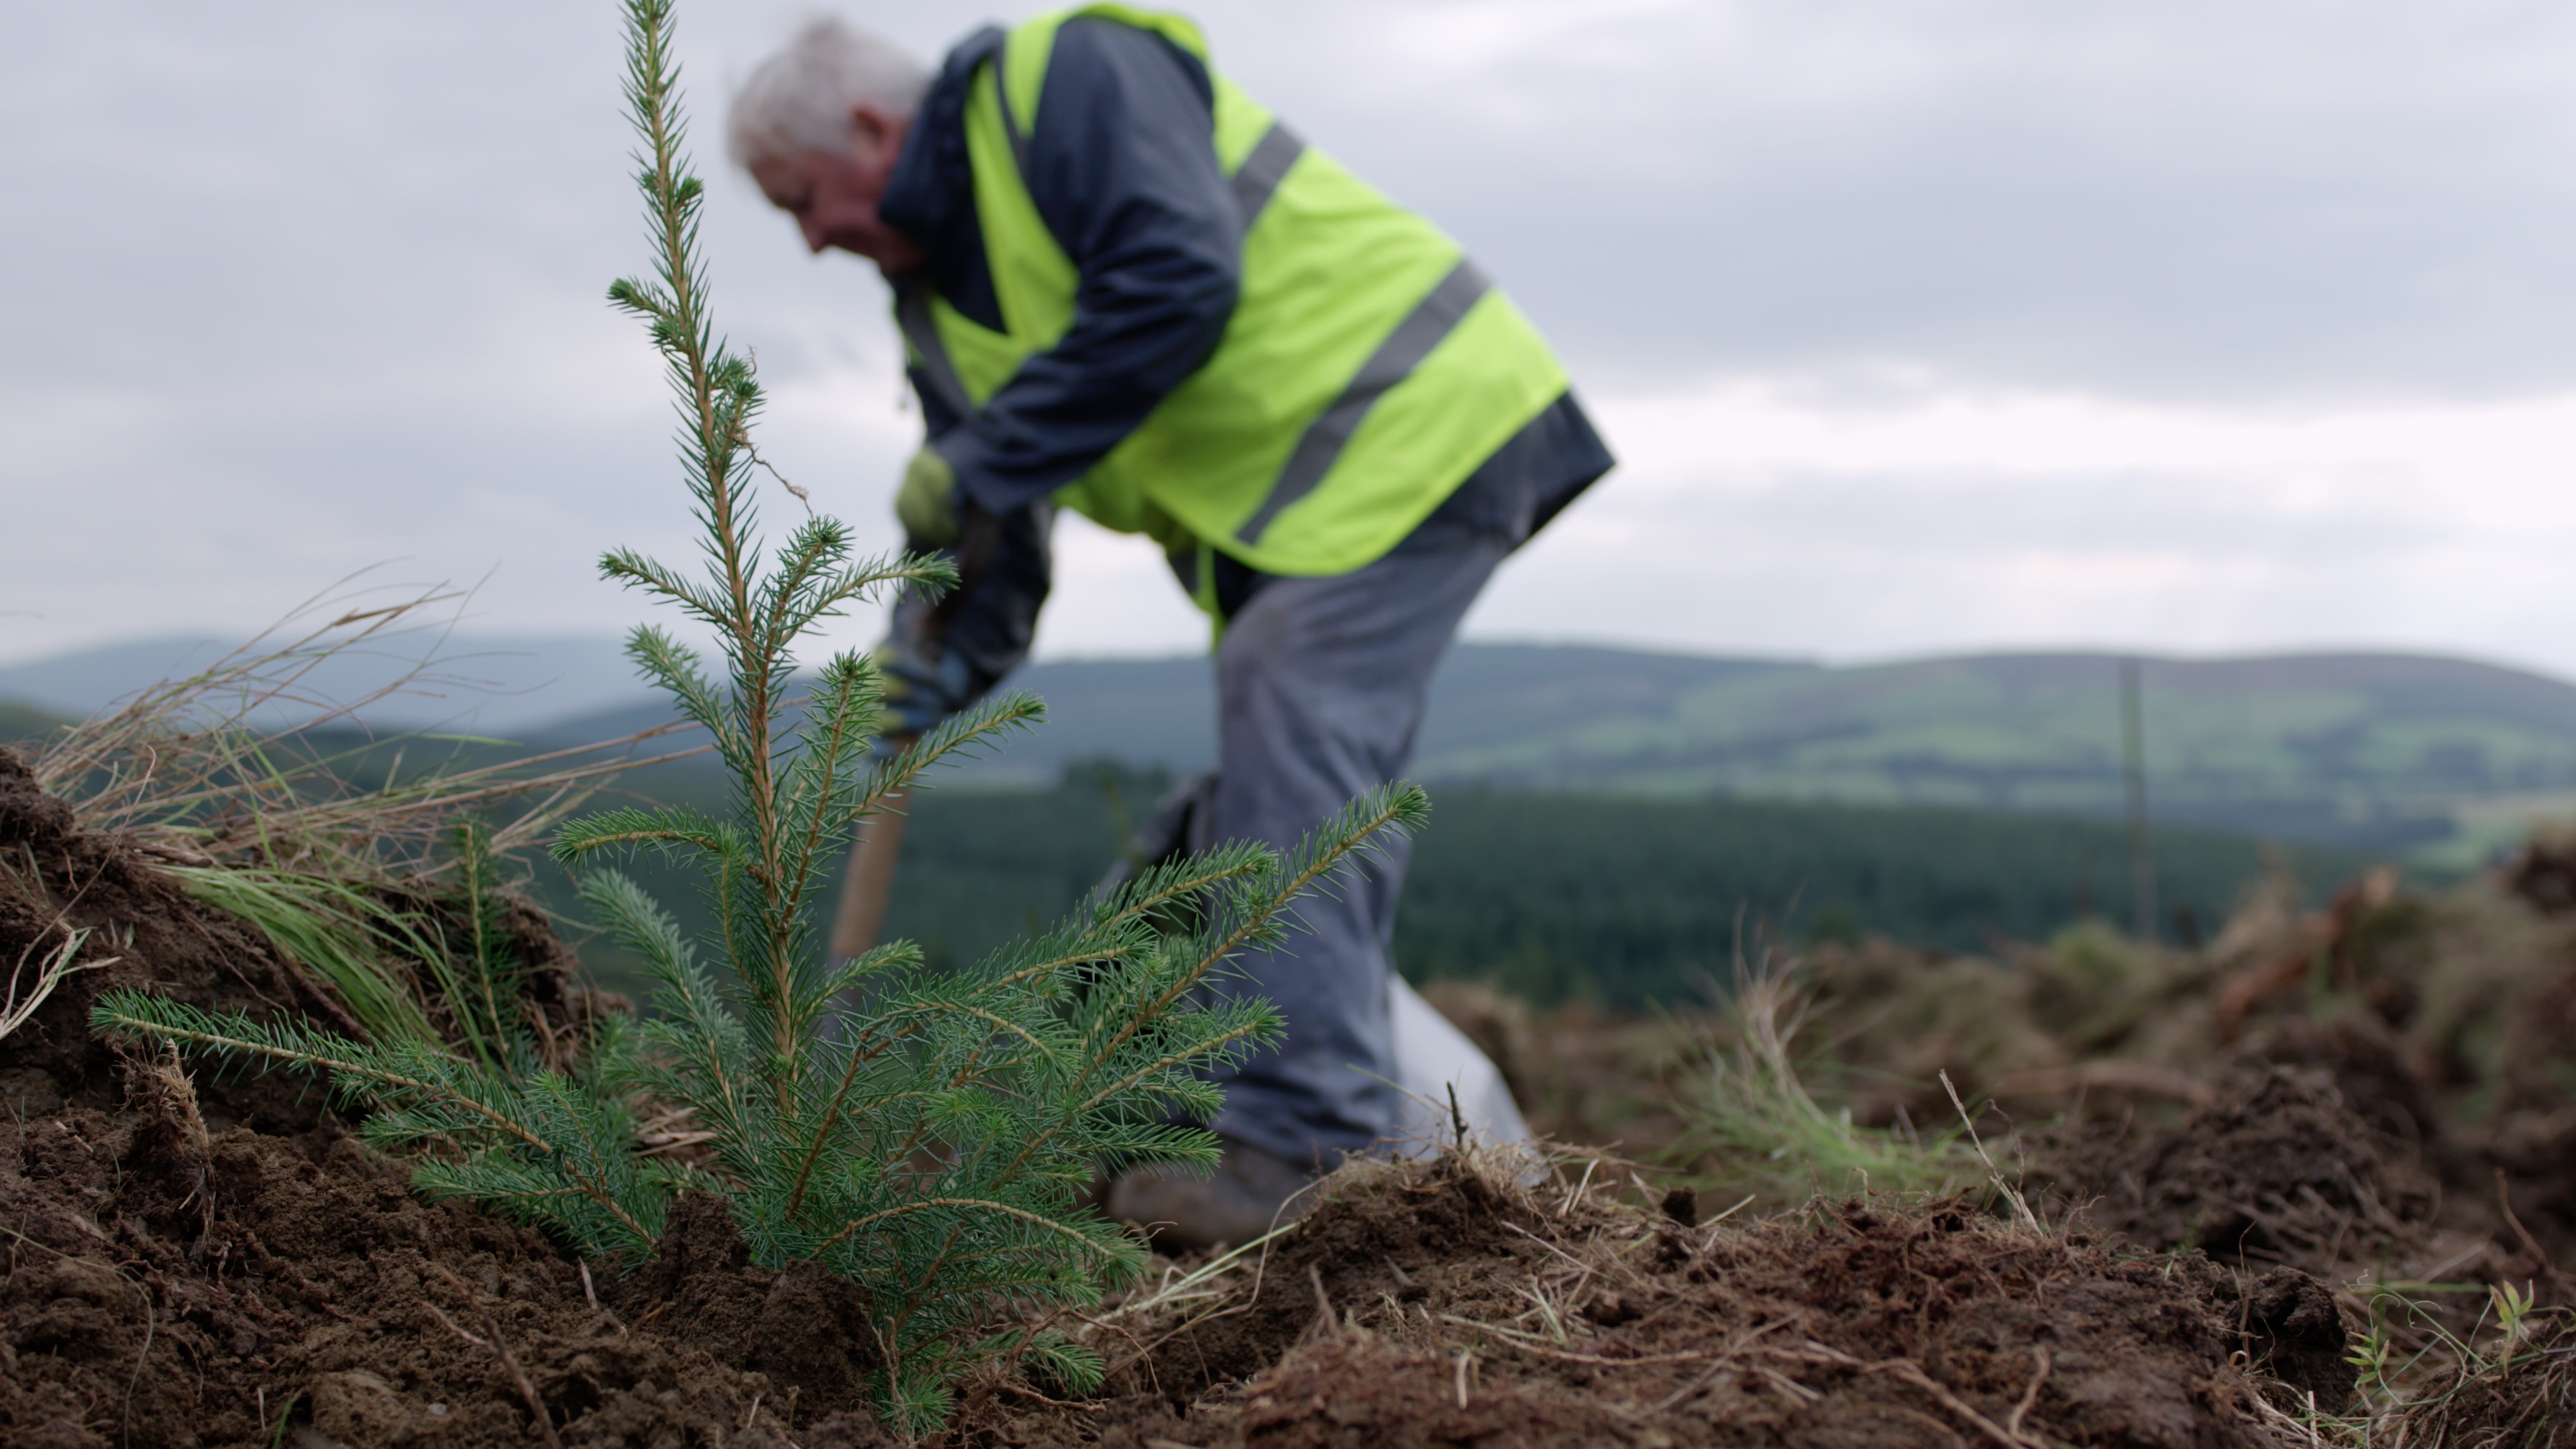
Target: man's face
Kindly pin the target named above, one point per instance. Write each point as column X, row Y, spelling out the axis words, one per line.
column 833, row 195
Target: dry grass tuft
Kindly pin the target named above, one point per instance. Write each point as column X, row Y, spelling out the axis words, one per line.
column 250, row 759
column 2518, row 1394
column 263, row 794
column 1753, row 1128
column 51, row 954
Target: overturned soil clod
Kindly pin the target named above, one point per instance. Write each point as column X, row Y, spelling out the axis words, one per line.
column 1452, row 1303
column 2278, row 1169
column 297, row 1281
column 211, row 1259
column 145, row 933
column 801, row 1328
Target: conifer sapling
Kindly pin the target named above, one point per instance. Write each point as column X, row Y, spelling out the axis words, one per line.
column 927, row 1133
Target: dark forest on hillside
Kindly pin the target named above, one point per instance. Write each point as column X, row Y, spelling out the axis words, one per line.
column 1559, row 897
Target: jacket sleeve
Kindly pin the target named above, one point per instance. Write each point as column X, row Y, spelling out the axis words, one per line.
column 1123, row 169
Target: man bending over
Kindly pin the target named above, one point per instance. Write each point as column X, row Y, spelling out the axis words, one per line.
column 1127, row 288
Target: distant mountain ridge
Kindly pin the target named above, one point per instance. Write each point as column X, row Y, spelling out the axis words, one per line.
column 497, row 683
column 2387, row 752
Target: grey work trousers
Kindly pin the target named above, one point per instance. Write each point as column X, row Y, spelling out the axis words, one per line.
column 1320, row 688
column 1320, row 691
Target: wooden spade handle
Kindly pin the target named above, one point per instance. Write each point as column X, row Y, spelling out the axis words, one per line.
column 868, row 883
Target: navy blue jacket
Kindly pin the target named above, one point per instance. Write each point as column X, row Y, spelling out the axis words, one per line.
column 1125, row 175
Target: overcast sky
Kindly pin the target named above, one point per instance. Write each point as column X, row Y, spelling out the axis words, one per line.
column 1919, row 325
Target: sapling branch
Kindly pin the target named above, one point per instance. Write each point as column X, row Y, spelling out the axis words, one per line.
column 439, row 1085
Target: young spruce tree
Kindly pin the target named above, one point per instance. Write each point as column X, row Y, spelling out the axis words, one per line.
column 929, row 1134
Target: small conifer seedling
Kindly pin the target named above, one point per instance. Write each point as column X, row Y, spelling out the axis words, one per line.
column 929, row 1134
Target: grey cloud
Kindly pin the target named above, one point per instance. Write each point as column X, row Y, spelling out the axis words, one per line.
column 2188, row 197
column 1958, row 514
column 298, row 287
column 2182, row 199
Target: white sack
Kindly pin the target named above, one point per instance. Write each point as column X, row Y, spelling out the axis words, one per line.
column 1430, row 1057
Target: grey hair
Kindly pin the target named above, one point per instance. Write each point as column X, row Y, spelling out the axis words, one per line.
column 800, row 99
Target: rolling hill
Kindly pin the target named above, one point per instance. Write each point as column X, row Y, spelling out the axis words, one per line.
column 2440, row 758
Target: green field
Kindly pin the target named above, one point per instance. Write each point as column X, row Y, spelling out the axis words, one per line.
column 2437, row 757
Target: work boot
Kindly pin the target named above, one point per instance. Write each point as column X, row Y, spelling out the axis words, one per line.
column 1248, row 1194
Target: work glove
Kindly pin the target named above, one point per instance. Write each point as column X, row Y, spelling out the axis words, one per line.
column 927, row 504
column 923, row 685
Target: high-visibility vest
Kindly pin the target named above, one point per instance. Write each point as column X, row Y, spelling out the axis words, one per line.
column 1367, row 370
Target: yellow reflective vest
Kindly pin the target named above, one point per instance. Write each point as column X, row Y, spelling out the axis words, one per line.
column 1368, row 367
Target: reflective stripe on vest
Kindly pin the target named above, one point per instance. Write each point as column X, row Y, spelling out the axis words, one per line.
column 1366, row 371
column 912, row 314
column 1425, row 327
column 1263, row 170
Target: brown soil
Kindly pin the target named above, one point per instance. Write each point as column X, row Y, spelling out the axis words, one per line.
column 2279, row 1169
column 218, row 1262
column 2368, row 1066
column 1440, row 1244
column 164, row 1292
column 2543, row 873
column 53, row 876
column 2532, row 1136
column 1449, row 1303
column 799, row 1326
column 2446, row 1024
